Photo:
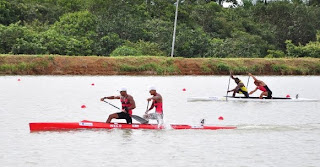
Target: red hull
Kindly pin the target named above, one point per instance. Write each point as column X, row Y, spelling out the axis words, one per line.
column 201, row 127
column 51, row 126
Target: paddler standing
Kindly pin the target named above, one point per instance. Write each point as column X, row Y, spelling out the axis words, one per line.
column 261, row 86
column 157, row 103
column 240, row 88
column 128, row 104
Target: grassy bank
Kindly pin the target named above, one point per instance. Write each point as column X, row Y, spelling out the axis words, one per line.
column 93, row 65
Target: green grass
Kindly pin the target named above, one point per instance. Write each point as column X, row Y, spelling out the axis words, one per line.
column 162, row 68
column 8, row 68
column 38, row 64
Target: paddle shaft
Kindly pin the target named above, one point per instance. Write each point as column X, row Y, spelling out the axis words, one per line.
column 248, row 82
column 147, row 106
column 228, row 87
column 137, row 118
column 112, row 105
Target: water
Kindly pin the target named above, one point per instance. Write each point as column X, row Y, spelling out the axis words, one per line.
column 268, row 134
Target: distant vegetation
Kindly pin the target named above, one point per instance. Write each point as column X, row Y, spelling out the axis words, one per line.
column 153, row 65
column 271, row 29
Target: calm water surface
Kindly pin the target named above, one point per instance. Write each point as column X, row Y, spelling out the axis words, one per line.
column 268, row 134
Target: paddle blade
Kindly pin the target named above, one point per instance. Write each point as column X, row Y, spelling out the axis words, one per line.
column 139, row 119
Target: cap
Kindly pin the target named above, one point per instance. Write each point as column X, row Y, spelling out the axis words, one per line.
column 152, row 88
column 123, row 89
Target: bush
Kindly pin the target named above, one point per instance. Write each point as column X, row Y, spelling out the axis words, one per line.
column 78, row 24
column 9, row 35
column 223, row 67
column 312, row 49
column 275, row 54
column 107, row 44
column 241, row 44
column 126, row 51
column 279, row 68
column 146, row 48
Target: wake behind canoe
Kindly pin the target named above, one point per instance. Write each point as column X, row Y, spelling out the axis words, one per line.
column 208, row 127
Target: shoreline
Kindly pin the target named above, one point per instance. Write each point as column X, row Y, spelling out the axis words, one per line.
column 153, row 66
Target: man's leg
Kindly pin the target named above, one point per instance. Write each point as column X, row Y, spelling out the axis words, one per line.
column 263, row 94
column 129, row 119
column 159, row 118
column 111, row 116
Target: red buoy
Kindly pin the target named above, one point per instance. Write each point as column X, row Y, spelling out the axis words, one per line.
column 184, row 89
column 83, row 106
column 220, row 118
column 288, row 96
column 92, row 84
column 19, row 79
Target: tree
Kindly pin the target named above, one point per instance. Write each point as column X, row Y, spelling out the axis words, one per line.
column 9, row 35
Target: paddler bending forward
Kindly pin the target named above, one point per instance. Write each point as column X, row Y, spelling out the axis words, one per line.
column 128, row 104
column 261, row 86
column 157, row 103
column 240, row 88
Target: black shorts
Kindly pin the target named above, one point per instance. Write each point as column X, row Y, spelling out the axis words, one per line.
column 126, row 116
column 269, row 95
column 244, row 93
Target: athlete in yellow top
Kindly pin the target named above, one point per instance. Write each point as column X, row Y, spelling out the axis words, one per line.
column 240, row 88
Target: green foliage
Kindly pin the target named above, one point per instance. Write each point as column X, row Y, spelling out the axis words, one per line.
column 8, row 68
column 311, row 49
column 125, row 18
column 191, row 42
column 164, row 67
column 8, row 13
column 107, row 44
column 9, row 35
column 140, row 48
column 146, row 48
column 275, row 54
column 28, row 11
column 240, row 70
column 223, row 67
column 126, row 51
column 13, row 68
column 279, row 68
column 296, row 22
column 160, row 32
column 78, row 24
column 241, row 45
column 135, row 27
column 29, row 43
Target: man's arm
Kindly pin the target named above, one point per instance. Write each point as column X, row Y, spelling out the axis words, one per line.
column 151, row 107
column 156, row 98
column 253, row 91
column 110, row 97
column 132, row 102
column 232, row 76
column 254, row 78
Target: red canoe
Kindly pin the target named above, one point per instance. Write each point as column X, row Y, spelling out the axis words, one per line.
column 47, row 126
column 209, row 127
column 51, row 126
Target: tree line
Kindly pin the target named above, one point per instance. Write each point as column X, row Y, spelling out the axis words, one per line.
column 145, row 27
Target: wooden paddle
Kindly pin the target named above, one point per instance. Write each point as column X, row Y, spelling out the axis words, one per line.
column 136, row 117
